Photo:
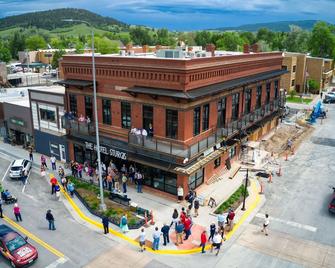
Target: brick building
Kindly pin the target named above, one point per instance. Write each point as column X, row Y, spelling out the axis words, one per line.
column 199, row 109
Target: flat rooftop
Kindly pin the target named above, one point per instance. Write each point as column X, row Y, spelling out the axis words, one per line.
column 52, row 89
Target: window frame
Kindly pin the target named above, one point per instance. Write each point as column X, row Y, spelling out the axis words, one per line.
column 221, row 106
column 45, row 115
column 89, row 107
column 205, row 117
column 247, row 100
column 268, row 92
column 171, row 123
column 259, row 96
column 235, row 106
column 106, row 112
column 196, row 121
column 125, row 114
column 73, row 104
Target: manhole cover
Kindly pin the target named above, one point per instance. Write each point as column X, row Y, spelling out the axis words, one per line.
column 323, row 141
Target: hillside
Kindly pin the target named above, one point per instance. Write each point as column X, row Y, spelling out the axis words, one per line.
column 279, row 26
column 52, row 19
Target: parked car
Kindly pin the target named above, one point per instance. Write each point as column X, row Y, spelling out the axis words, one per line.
column 15, row 248
column 331, row 206
column 19, row 168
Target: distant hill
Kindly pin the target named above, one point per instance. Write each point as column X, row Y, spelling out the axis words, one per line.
column 279, row 26
column 52, row 19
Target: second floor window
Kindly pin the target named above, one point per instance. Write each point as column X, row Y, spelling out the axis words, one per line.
column 148, row 115
column 259, row 97
column 268, row 91
column 247, row 101
column 171, row 124
column 88, row 107
column 73, row 104
column 235, row 105
column 125, row 115
column 221, row 113
column 276, row 89
column 106, row 112
column 205, row 117
column 196, row 121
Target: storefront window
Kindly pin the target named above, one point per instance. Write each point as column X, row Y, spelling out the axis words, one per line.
column 126, row 114
column 205, row 117
column 171, row 124
column 73, row 104
column 88, row 107
column 79, row 153
column 196, row 179
column 48, row 115
column 196, row 121
column 106, row 112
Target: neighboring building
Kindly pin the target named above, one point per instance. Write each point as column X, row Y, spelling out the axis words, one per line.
column 17, row 118
column 43, row 56
column 3, row 74
column 47, row 110
column 200, row 110
column 302, row 68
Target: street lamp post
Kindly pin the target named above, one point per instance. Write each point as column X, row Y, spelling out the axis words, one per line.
column 245, row 189
column 102, row 203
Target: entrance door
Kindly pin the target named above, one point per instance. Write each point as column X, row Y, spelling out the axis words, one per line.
column 62, row 153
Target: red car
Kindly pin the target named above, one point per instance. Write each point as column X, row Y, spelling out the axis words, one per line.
column 15, row 248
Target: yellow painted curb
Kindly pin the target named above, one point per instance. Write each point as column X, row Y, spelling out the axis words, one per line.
column 166, row 251
column 33, row 237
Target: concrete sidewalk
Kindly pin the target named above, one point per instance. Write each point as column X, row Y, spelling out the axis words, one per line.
column 162, row 207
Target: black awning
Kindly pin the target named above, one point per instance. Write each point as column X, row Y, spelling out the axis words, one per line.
column 206, row 90
column 77, row 83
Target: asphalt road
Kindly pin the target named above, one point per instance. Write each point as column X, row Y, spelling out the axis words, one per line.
column 77, row 242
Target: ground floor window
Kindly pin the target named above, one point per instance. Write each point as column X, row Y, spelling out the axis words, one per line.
column 196, row 179
column 81, row 155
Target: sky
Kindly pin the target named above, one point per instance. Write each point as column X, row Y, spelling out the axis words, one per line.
column 187, row 14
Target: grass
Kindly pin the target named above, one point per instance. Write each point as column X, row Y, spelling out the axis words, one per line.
column 297, row 99
column 233, row 201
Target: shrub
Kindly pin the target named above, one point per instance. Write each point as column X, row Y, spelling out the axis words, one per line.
column 292, row 93
column 234, row 199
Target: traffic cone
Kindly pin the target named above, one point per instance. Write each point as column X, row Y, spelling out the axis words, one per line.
column 270, row 178
column 279, row 172
column 152, row 218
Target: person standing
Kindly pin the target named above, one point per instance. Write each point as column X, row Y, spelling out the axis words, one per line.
column 124, row 224
column 203, row 239
column 53, row 182
column 231, row 216
column 61, row 172
column 53, row 162
column 1, row 216
column 64, row 183
column 142, row 240
column 139, row 182
column 180, row 193
column 187, row 226
column 131, row 173
column 196, row 206
column 174, row 218
column 31, row 156
column 179, row 233
column 17, row 212
column 217, row 242
column 156, row 236
column 50, row 218
column 43, row 161
column 105, row 222
column 221, row 220
column 70, row 188
column 124, row 169
column 124, row 183
column 266, row 224
column 165, row 231
column 80, row 170
column 183, row 215
column 212, row 229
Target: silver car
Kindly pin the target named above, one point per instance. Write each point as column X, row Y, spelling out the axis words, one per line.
column 19, row 168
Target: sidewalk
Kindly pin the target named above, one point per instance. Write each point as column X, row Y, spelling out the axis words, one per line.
column 162, row 207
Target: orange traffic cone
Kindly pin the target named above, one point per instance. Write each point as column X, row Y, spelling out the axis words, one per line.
column 152, row 218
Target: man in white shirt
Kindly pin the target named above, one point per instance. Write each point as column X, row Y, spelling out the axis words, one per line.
column 142, row 240
column 265, row 224
column 217, row 242
column 53, row 162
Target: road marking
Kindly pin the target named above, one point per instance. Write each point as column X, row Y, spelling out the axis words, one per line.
column 4, row 176
column 34, row 237
column 291, row 223
column 57, row 262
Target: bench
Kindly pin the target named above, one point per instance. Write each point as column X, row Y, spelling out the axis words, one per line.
column 119, row 198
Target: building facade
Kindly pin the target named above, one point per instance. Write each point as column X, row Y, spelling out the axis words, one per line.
column 47, row 111
column 179, row 121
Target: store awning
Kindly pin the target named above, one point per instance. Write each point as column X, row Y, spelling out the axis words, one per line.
column 206, row 90
column 73, row 82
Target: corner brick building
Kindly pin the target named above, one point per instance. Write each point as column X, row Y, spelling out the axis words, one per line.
column 200, row 110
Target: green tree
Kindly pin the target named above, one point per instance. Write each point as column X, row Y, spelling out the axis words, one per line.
column 55, row 59
column 5, row 54
column 55, row 42
column 16, row 44
column 35, row 42
column 203, row 38
column 313, row 86
column 164, row 38
column 140, row 36
column 230, row 41
column 105, row 45
column 248, row 38
column 322, row 41
column 296, row 40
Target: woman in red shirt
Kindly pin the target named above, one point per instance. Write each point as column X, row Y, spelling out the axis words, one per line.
column 203, row 241
column 17, row 212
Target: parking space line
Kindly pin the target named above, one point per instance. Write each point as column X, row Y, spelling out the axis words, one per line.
column 35, row 238
column 4, row 176
column 57, row 262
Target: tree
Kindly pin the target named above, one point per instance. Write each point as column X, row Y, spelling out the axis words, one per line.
column 56, row 43
column 5, row 55
column 164, row 38
column 55, row 59
column 313, row 86
column 230, row 41
column 296, row 40
column 203, row 38
column 263, row 46
column 16, row 44
column 35, row 42
column 140, row 36
column 248, row 38
column 105, row 45
column 322, row 41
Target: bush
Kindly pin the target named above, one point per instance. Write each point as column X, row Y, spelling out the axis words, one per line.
column 292, row 93
column 233, row 201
